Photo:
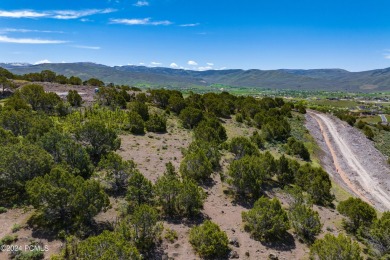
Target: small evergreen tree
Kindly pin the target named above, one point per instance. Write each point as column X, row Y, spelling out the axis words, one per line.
column 196, row 166
column 368, row 132
column 241, row 146
column 331, row 247
column 74, row 98
column 190, row 198
column 209, row 240
column 267, row 220
column 190, row 117
column 248, row 174
column 146, row 229
column 140, row 190
column 114, row 172
column 359, row 213
column 106, row 246
column 379, row 236
column 99, row 139
column 135, row 124
column 156, row 123
column 305, row 221
column 64, row 200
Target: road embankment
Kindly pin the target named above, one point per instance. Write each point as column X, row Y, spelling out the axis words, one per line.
column 351, row 159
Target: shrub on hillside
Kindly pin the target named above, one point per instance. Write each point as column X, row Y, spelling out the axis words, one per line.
column 331, row 247
column 209, row 240
column 190, row 117
column 156, row 123
column 135, row 124
column 267, row 220
column 359, row 214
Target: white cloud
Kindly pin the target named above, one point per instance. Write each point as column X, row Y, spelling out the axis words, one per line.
column 6, row 39
column 6, row 30
column 22, row 14
column 142, row 63
column 192, row 63
column 42, row 62
column 210, row 64
column 86, row 47
column 141, row 3
column 145, row 21
column 204, row 68
column 57, row 14
column 174, row 65
column 190, row 25
column 71, row 14
column 154, row 63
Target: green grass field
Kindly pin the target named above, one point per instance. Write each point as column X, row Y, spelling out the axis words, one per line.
column 371, row 119
column 335, row 103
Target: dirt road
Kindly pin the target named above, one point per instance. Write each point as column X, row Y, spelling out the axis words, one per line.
column 357, row 164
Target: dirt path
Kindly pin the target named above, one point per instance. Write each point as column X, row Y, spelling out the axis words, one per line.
column 353, row 158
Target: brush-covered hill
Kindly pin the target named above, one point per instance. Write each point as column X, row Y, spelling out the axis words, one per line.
column 316, row 79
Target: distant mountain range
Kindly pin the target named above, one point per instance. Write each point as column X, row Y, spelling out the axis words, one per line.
column 315, row 79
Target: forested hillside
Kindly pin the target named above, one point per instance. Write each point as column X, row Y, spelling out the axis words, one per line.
column 316, row 79
column 158, row 175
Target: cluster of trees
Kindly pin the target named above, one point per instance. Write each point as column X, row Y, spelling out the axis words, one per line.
column 352, row 120
column 63, row 200
column 269, row 221
column 34, row 95
column 346, row 116
column 267, row 114
column 362, row 221
column 139, row 229
column 296, row 147
column 305, row 221
column 50, row 76
column 66, row 171
column 49, row 167
column 113, row 97
column 132, row 238
column 178, row 197
column 251, row 170
column 139, row 119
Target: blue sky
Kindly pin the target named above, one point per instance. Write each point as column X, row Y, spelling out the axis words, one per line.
column 353, row 35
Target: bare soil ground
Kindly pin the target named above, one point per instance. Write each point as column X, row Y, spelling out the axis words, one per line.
column 351, row 159
column 25, row 234
column 152, row 151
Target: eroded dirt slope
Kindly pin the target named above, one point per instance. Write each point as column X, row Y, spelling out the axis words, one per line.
column 351, row 159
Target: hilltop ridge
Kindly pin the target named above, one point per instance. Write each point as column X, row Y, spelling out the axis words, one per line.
column 295, row 79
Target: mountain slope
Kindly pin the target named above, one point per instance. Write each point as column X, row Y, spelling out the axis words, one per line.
column 316, row 79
